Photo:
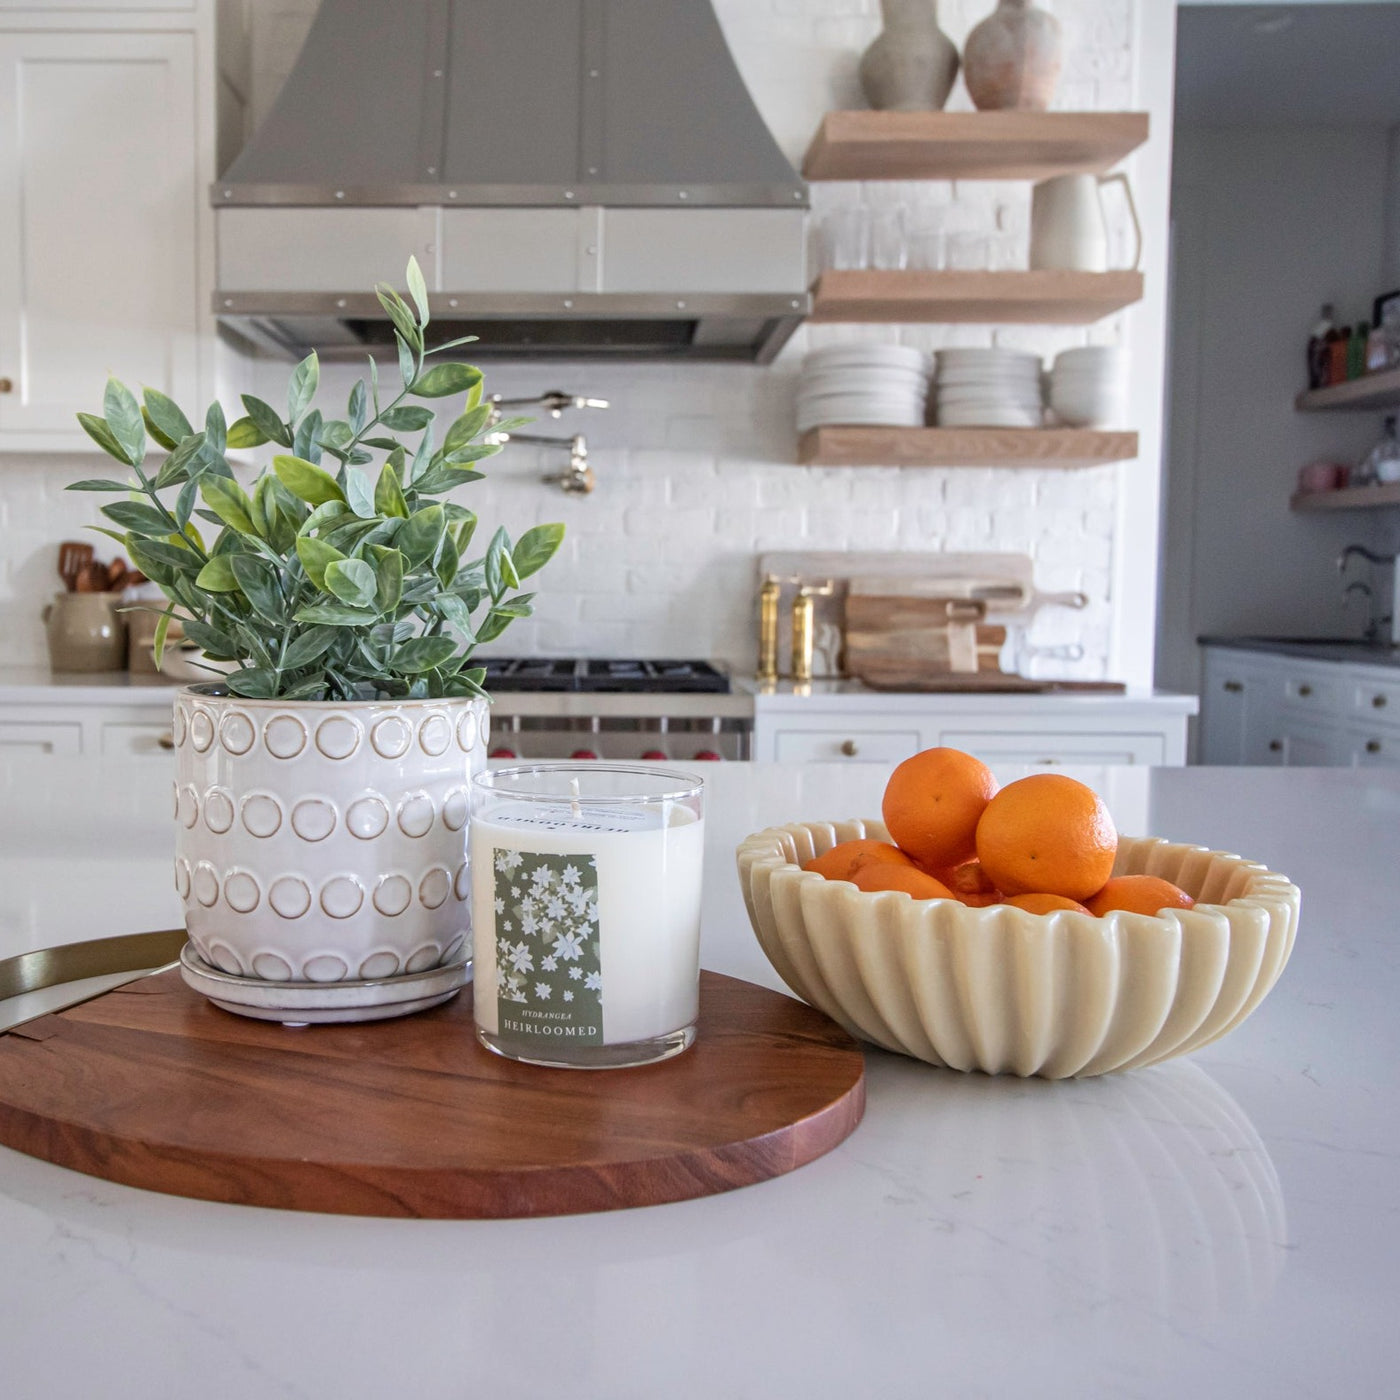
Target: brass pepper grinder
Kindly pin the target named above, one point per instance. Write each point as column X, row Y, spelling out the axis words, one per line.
column 804, row 627
column 768, row 597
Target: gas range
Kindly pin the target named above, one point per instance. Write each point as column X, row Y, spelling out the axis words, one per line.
column 619, row 709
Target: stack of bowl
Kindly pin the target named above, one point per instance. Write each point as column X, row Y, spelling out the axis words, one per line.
column 988, row 388
column 1089, row 387
column 884, row 385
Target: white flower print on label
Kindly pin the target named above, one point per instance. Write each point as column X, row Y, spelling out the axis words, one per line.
column 546, row 944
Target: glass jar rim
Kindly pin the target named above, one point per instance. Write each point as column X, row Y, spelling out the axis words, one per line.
column 682, row 784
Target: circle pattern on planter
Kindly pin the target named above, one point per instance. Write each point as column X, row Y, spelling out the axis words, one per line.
column 434, row 735
column 187, row 807
column 338, row 737
column 467, row 731
column 342, row 896
column 272, row 967
column 290, row 896
column 225, row 959
column 416, row 814
column 262, row 814
column 313, row 818
column 326, row 967
column 182, row 877
column 285, row 736
column 218, row 810
column 381, row 964
column 454, row 809
column 202, row 731
column 236, row 732
column 392, row 895
column 422, row 958
column 241, row 892
column 368, row 817
column 391, row 737
column 462, row 881
column 434, row 888
column 204, row 884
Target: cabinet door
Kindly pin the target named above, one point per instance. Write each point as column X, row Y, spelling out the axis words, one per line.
column 1278, row 739
column 25, row 736
column 851, row 745
column 1228, row 690
column 98, row 236
column 135, row 736
column 1052, row 750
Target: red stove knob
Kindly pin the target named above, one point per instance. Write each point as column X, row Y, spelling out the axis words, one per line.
column 503, row 753
column 583, row 753
column 708, row 756
column 654, row 756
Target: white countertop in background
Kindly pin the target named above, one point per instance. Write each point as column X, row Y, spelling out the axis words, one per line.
column 1220, row 1226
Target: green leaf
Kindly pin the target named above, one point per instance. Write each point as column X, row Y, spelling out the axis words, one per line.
column 304, row 444
column 441, row 478
column 305, row 379
column 535, row 548
column 217, row 575
column 143, row 519
column 308, row 647
column 423, row 654
column 388, row 493
column 243, row 432
column 229, row 501
column 123, row 415
column 256, row 683
column 418, row 290
column 184, row 503
column 315, row 556
column 97, row 429
column 218, row 643
column 496, row 622
column 215, row 431
column 163, row 417
column 397, row 311
column 352, row 581
column 162, row 628
column 360, row 494
column 500, row 568
column 265, row 416
column 451, row 607
column 388, row 578
column 467, row 528
column 418, row 540
column 307, row 482
column 453, row 344
column 408, row 366
column 335, row 435
column 447, row 378
column 326, row 516
column 185, row 462
column 258, row 580
column 475, row 452
column 461, row 433
column 95, row 484
column 448, row 560
column 407, row 418
column 519, row 606
column 357, row 409
column 334, row 615
column 422, row 457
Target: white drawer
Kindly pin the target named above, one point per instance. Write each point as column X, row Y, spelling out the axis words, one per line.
column 1314, row 691
column 151, row 737
column 1378, row 701
column 845, row 745
column 35, row 737
column 1051, row 750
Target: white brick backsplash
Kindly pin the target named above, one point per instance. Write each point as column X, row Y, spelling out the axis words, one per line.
column 695, row 462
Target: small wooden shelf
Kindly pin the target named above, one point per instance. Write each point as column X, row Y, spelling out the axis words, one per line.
column 1025, row 298
column 1348, row 498
column 1371, row 391
column 963, row 447
column 970, row 145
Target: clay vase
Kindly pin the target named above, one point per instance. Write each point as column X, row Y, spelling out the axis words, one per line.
column 912, row 65
column 1013, row 58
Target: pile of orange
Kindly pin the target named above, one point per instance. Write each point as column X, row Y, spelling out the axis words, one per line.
column 1043, row 843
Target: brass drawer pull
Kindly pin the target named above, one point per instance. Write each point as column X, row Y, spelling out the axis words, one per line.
column 849, row 748
column 1275, row 745
column 1373, row 746
column 1234, row 687
column 7, row 385
column 1305, row 690
column 1378, row 702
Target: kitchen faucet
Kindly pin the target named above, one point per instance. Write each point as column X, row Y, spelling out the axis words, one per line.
column 578, row 479
column 1393, row 563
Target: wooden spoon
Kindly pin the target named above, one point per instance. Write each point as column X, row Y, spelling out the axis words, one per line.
column 72, row 556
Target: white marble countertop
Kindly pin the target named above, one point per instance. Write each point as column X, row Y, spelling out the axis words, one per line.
column 821, row 696
column 1220, row 1226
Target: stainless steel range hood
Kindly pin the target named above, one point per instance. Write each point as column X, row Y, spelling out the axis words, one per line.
column 576, row 177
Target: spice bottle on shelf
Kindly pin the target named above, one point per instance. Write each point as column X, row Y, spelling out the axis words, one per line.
column 1382, row 464
column 1317, row 348
column 1356, row 350
column 1339, row 341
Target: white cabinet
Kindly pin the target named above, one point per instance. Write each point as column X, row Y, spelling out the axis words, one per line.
column 103, row 211
column 1283, row 711
column 67, row 721
column 856, row 743
column 37, row 736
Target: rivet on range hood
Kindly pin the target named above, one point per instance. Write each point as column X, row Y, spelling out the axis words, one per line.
column 576, row 177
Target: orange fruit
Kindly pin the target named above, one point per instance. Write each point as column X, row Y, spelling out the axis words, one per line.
column 1043, row 903
column 1047, row 834
column 1139, row 894
column 970, row 884
column 932, row 805
column 844, row 859
column 886, row 875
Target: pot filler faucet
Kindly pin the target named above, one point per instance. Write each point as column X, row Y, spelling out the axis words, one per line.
column 1390, row 561
column 577, row 479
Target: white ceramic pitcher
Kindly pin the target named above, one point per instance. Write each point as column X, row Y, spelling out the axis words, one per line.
column 1068, row 230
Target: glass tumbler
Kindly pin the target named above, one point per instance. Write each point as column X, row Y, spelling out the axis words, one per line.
column 586, row 912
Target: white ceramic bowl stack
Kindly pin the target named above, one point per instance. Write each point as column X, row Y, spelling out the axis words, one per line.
column 880, row 385
column 1089, row 387
column 988, row 388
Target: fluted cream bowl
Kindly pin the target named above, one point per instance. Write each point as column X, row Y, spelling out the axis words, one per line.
column 1007, row 992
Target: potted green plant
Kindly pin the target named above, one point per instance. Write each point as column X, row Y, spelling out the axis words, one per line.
column 321, row 785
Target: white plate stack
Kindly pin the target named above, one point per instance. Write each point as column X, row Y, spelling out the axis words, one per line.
column 1089, row 387
column 883, row 385
column 988, row 388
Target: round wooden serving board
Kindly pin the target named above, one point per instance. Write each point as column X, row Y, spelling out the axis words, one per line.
column 152, row 1086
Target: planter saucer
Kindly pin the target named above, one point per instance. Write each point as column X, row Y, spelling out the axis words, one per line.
column 324, row 1003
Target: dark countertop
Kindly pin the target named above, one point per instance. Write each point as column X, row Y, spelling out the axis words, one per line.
column 1355, row 651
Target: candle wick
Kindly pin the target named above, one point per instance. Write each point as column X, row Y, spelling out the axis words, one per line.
column 573, row 806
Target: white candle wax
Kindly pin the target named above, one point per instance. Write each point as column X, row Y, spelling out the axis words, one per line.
column 586, row 921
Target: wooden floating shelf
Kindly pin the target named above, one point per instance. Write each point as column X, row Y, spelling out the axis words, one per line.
column 1380, row 390
column 963, row 447
column 1025, row 298
column 970, row 145
column 1348, row 498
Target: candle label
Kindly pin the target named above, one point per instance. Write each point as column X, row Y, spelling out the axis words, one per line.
column 549, row 976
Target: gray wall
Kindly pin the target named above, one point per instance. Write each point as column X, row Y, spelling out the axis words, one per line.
column 1268, row 223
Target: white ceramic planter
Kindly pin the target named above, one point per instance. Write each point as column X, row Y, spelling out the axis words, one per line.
column 325, row 842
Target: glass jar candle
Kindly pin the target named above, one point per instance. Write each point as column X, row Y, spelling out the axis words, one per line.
column 586, row 912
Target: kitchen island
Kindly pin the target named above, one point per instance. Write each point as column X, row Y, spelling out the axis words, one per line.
column 1223, row 1225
